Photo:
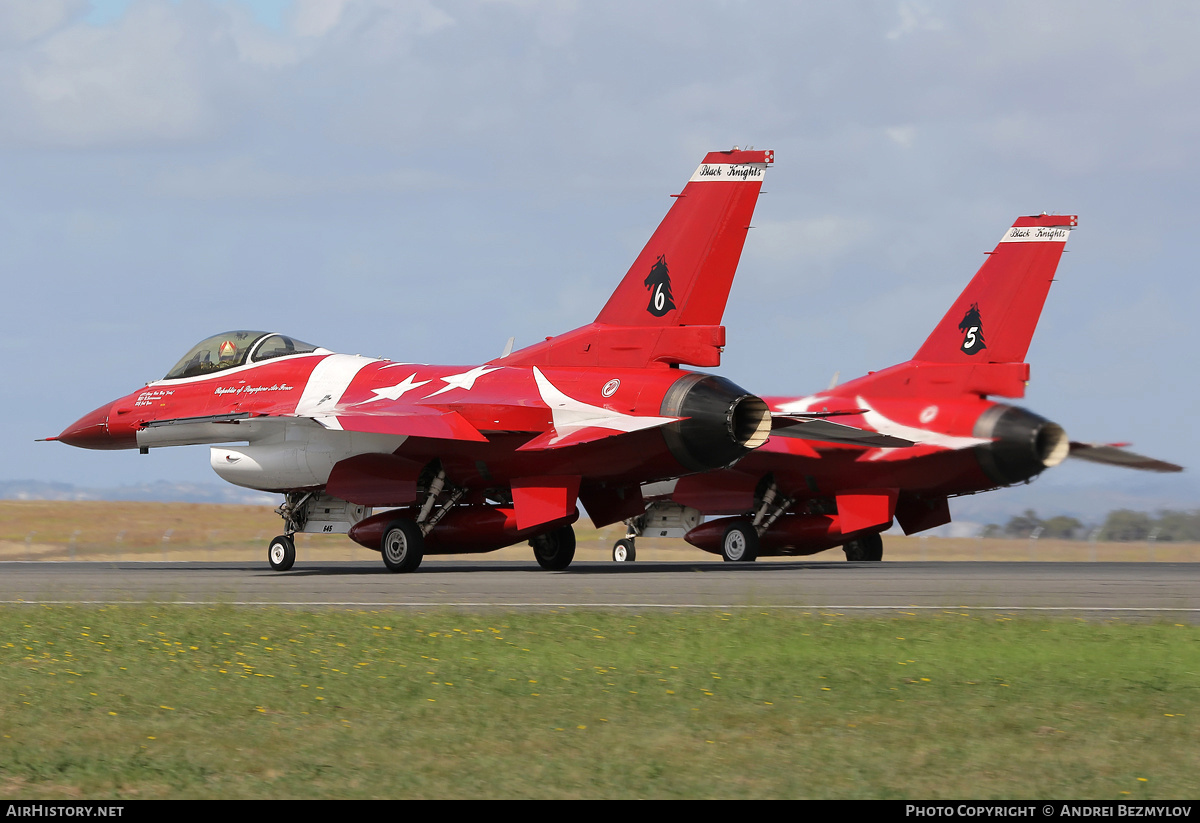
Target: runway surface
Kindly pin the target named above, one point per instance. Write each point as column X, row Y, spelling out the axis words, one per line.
column 1166, row 591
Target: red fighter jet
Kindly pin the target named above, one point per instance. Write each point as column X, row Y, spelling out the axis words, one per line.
column 472, row 459
column 795, row 497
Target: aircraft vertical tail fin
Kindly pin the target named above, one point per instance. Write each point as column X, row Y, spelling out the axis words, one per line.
column 683, row 275
column 668, row 307
column 979, row 346
column 994, row 318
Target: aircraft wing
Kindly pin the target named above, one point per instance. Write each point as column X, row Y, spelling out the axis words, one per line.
column 412, row 421
column 1113, row 454
column 819, row 430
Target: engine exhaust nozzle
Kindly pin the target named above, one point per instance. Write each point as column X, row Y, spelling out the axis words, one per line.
column 1023, row 444
column 723, row 421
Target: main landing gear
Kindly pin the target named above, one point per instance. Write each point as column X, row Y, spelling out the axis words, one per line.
column 554, row 550
column 741, row 541
column 403, row 543
column 865, row 548
column 403, row 546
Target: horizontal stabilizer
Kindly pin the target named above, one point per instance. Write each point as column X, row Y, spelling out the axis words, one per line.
column 1114, row 455
column 781, row 420
column 411, row 422
column 826, row 431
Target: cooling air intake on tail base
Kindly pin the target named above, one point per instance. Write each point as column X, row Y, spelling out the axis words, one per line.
column 1023, row 444
column 723, row 421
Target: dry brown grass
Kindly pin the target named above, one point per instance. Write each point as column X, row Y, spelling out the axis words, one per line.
column 94, row 530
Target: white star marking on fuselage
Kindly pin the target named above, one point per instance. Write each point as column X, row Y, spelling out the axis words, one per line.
column 397, row 391
column 465, row 381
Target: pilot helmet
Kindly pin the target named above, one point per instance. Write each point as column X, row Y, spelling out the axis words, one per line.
column 227, row 352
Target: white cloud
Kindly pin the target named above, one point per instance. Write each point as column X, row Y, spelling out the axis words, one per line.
column 25, row 20
column 143, row 78
column 903, row 136
column 814, row 239
column 181, row 72
column 914, row 17
column 315, row 18
column 246, row 177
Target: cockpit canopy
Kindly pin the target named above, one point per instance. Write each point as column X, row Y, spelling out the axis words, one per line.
column 235, row 348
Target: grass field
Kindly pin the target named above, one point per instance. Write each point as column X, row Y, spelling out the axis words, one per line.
column 142, row 702
column 88, row 530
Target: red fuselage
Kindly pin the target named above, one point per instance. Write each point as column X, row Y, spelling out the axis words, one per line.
column 307, row 412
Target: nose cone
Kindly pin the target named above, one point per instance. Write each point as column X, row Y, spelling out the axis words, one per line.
column 91, row 432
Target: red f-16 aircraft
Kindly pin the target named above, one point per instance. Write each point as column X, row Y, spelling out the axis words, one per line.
column 477, row 458
column 795, row 497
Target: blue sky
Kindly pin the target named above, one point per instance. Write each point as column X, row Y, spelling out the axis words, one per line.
column 423, row 179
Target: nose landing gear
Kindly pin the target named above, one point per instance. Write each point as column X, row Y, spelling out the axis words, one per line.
column 281, row 554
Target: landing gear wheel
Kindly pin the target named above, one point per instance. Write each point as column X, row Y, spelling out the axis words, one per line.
column 403, row 546
column 624, row 551
column 282, row 553
column 740, row 544
column 865, row 548
column 554, row 550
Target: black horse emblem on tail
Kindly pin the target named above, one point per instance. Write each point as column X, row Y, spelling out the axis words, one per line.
column 658, row 281
column 972, row 329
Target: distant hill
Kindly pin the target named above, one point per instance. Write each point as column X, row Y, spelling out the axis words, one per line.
column 162, row 491
column 1074, row 490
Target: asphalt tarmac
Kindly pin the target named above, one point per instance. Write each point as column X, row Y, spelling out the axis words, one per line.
column 1155, row 591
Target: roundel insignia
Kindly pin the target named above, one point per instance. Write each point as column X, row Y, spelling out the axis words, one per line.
column 610, row 388
column 927, row 414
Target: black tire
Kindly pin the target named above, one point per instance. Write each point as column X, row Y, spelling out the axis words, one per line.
column 403, row 546
column 281, row 554
column 869, row 548
column 554, row 550
column 624, row 551
column 740, row 543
